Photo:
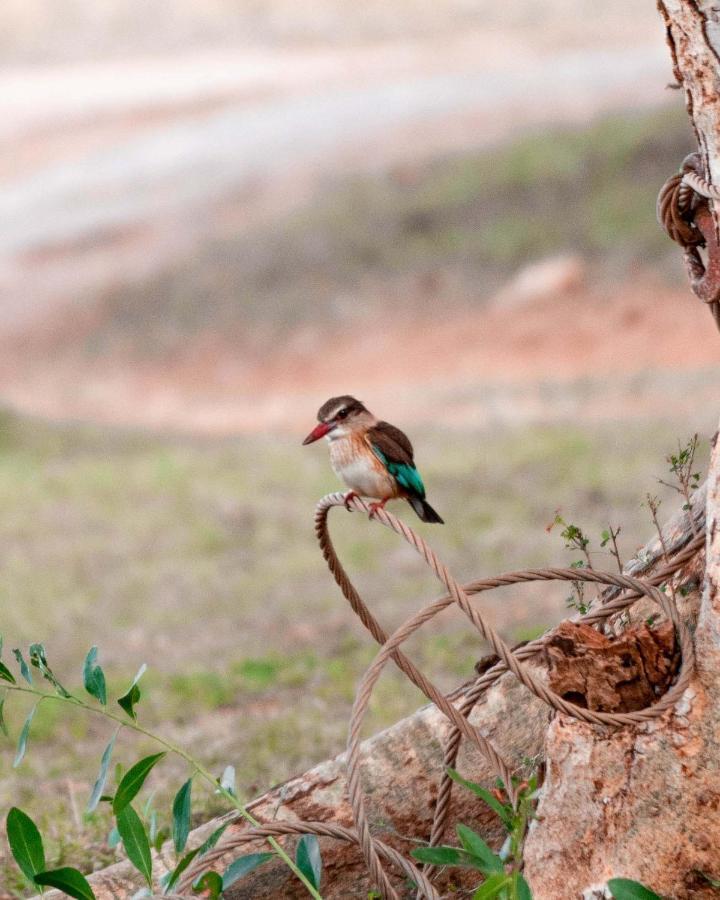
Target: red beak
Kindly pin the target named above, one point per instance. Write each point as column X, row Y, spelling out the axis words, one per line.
column 318, row 431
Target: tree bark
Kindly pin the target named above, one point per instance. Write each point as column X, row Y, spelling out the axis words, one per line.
column 644, row 803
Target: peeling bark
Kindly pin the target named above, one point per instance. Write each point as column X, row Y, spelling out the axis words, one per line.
column 612, row 673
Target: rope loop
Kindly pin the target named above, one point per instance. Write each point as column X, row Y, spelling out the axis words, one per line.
column 684, row 213
column 509, row 660
column 678, row 201
column 458, row 705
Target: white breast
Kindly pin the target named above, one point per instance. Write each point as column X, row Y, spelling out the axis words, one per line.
column 360, row 472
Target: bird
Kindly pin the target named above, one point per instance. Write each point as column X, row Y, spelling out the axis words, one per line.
column 373, row 458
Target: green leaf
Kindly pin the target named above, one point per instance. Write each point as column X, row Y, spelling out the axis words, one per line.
column 172, row 879
column 627, row 889
column 102, row 776
column 25, row 843
column 440, row 856
column 132, row 696
column 243, row 866
column 94, row 677
column 307, row 859
column 135, row 841
column 475, row 845
column 113, row 838
column 161, row 836
column 522, row 888
column 181, row 816
column 38, row 659
column 213, row 839
column 492, row 886
column 6, row 674
column 23, row 739
column 3, row 723
column 133, row 780
column 24, row 668
column 209, row 882
column 208, row 844
column 495, row 805
column 68, row 880
column 151, row 820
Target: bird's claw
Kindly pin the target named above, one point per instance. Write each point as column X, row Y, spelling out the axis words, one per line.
column 374, row 507
column 351, row 495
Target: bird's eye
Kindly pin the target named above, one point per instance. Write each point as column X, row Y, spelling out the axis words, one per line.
column 342, row 414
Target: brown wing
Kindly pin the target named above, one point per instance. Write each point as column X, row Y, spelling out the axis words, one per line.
column 394, row 445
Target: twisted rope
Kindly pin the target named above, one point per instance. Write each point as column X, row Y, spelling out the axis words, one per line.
column 610, row 607
column 322, row 829
column 682, row 210
column 458, row 595
column 374, row 850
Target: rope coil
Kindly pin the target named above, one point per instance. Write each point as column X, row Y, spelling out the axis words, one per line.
column 683, row 212
column 375, row 851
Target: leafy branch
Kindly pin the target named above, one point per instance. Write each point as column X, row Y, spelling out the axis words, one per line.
column 25, row 839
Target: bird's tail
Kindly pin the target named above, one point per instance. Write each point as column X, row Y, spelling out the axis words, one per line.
column 424, row 510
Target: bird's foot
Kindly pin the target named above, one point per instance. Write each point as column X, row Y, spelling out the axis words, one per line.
column 351, row 495
column 374, row 507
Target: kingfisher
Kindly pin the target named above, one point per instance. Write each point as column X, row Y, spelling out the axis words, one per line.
column 373, row 458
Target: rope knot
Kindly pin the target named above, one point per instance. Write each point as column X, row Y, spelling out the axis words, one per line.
column 683, row 211
column 678, row 202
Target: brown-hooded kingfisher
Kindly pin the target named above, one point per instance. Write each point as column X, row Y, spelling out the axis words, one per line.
column 373, row 458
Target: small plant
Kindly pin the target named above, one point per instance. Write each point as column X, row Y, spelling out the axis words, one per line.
column 653, row 504
column 682, row 464
column 139, row 834
column 502, row 876
column 609, row 536
column 575, row 539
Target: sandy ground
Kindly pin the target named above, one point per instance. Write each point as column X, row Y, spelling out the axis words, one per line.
column 563, row 349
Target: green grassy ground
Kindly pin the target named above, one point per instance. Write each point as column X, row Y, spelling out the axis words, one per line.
column 199, row 558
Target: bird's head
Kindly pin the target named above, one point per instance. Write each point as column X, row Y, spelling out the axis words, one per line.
column 339, row 416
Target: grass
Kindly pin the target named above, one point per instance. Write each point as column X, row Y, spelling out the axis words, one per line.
column 199, row 558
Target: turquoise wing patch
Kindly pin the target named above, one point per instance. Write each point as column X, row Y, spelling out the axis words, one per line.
column 406, row 476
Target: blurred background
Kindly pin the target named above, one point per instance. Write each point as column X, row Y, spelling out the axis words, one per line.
column 214, row 216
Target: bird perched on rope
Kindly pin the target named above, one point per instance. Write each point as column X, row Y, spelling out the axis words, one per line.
column 373, row 458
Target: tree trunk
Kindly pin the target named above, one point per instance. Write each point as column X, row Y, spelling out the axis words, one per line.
column 644, row 803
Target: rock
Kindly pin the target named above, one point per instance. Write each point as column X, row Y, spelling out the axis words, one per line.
column 546, row 278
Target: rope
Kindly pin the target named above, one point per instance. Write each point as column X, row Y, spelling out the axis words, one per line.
column 509, row 660
column 610, row 607
column 323, row 829
column 683, row 212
